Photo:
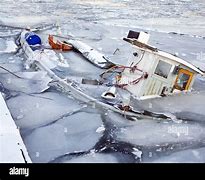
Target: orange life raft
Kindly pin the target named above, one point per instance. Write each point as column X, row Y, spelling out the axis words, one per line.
column 58, row 45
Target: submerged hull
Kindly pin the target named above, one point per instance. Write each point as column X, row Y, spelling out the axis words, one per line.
column 69, row 86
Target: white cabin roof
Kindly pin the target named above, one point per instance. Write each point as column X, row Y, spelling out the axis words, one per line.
column 179, row 60
column 156, row 51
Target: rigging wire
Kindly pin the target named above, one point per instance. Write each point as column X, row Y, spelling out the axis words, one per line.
column 11, row 72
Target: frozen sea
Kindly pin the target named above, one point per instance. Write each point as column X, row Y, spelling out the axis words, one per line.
column 56, row 128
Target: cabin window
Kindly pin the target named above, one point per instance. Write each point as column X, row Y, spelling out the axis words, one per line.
column 183, row 80
column 163, row 69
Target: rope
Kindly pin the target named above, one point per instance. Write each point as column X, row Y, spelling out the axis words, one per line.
column 140, row 58
column 136, row 81
column 132, row 70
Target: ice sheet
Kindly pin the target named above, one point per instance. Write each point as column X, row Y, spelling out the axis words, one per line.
column 71, row 134
column 33, row 111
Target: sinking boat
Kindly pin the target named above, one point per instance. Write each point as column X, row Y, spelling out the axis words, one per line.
column 151, row 73
column 37, row 58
